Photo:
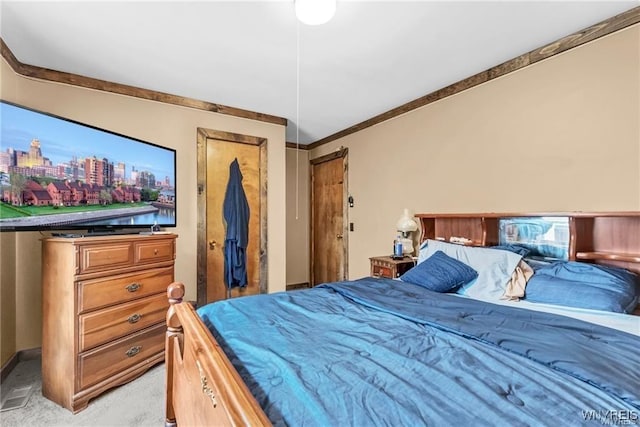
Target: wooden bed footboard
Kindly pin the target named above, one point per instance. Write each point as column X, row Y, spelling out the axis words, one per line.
column 202, row 386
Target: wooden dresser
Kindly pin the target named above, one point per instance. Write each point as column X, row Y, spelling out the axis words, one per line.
column 104, row 307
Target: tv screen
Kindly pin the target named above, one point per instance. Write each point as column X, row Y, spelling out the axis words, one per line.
column 59, row 174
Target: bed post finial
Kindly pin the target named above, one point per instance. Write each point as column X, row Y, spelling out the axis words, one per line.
column 175, row 292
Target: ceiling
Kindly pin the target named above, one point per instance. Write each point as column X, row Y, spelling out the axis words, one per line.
column 371, row 57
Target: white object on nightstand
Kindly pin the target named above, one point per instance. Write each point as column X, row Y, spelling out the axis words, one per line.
column 406, row 225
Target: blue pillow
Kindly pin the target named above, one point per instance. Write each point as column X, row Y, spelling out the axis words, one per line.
column 440, row 273
column 582, row 285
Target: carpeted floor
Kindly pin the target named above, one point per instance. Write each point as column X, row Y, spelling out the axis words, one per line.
column 139, row 403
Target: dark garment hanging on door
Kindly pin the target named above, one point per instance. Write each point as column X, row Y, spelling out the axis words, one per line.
column 236, row 215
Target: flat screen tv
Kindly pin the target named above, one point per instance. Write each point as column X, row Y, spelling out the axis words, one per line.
column 59, row 174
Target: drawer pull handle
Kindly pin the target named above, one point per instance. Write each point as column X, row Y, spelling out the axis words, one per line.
column 155, row 252
column 133, row 351
column 133, row 287
column 134, row 318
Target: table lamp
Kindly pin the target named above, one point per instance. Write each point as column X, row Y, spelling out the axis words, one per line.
column 406, row 225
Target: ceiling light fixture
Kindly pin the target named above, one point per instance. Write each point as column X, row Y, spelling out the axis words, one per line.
column 315, row 12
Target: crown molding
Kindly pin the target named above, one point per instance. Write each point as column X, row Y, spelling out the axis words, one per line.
column 601, row 29
column 295, row 146
column 41, row 73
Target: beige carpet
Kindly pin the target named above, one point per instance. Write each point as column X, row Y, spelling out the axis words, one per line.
column 138, row 403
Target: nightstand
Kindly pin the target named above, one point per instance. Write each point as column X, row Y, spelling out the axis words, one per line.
column 385, row 266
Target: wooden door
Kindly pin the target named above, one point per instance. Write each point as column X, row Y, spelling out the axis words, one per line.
column 329, row 238
column 219, row 150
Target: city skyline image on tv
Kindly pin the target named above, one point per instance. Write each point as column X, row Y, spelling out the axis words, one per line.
column 55, row 172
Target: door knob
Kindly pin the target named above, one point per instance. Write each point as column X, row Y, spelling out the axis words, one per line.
column 212, row 244
column 339, row 236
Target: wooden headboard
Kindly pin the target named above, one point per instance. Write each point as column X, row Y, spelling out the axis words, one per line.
column 611, row 238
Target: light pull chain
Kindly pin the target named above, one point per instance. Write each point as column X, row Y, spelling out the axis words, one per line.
column 297, row 119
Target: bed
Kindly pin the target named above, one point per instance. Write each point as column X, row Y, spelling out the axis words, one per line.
column 378, row 351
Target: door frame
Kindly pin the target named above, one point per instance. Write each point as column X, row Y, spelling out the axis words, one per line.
column 203, row 137
column 341, row 153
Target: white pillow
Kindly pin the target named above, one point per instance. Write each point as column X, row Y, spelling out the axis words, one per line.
column 494, row 267
column 422, row 251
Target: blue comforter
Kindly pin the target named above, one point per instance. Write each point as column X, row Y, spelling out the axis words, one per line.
column 385, row 352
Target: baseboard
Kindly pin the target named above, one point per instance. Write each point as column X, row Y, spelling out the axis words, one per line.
column 295, row 286
column 30, row 354
column 8, row 367
column 20, row 356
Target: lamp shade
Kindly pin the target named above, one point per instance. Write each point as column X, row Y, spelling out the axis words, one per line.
column 315, row 12
column 406, row 223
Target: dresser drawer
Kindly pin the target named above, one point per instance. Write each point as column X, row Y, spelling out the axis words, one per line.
column 386, row 266
column 111, row 323
column 155, row 251
column 105, row 256
column 381, row 271
column 103, row 362
column 97, row 293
